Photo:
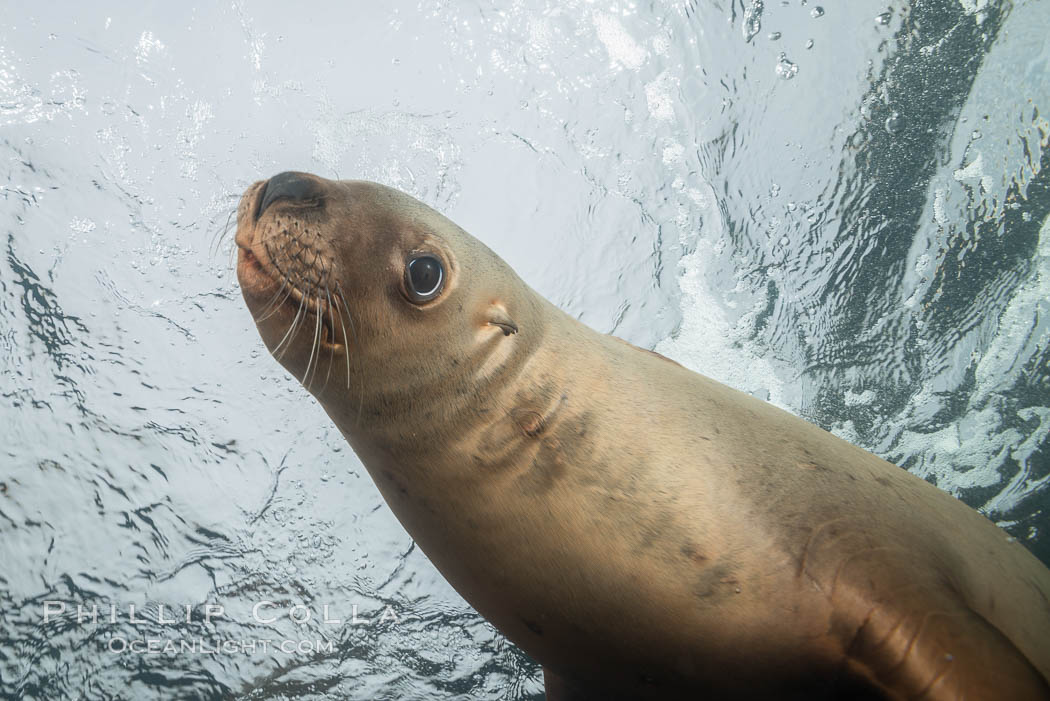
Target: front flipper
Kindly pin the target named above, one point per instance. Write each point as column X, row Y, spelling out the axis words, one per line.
column 942, row 656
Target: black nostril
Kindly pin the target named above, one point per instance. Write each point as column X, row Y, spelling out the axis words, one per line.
column 288, row 186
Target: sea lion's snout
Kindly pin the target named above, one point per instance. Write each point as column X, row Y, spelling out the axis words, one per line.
column 287, row 272
column 292, row 186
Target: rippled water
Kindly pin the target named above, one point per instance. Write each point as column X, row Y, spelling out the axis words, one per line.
column 843, row 209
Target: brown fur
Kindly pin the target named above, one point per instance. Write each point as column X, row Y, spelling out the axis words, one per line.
column 641, row 530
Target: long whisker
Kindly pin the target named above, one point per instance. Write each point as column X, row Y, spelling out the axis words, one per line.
column 216, row 239
column 346, row 343
column 291, row 329
column 331, row 349
column 314, row 348
column 232, row 263
column 360, row 374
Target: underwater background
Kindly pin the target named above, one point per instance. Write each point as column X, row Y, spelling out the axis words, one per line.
column 840, row 208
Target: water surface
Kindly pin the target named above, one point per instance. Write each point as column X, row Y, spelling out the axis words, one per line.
column 840, row 208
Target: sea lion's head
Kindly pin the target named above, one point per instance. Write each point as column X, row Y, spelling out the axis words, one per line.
column 371, row 298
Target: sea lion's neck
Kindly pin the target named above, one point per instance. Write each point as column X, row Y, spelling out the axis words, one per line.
column 516, row 397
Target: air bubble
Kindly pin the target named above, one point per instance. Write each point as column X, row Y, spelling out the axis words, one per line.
column 785, row 68
column 752, row 20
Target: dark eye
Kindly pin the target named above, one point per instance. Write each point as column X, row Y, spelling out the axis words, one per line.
column 424, row 278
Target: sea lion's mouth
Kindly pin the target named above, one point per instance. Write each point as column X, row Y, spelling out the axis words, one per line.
column 272, row 291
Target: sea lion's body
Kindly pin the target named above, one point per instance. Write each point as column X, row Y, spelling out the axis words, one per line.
column 641, row 530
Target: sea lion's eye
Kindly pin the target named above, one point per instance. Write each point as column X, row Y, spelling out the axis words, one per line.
column 424, row 278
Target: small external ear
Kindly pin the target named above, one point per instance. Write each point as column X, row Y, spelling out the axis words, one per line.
column 497, row 316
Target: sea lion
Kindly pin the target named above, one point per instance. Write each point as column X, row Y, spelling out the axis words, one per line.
column 639, row 529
